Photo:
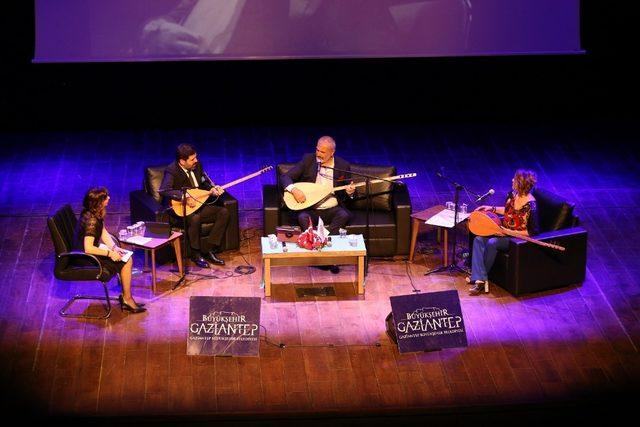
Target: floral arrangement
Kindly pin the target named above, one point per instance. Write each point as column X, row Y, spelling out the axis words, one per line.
column 312, row 238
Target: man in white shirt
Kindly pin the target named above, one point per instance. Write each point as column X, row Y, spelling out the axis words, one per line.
column 323, row 168
column 187, row 172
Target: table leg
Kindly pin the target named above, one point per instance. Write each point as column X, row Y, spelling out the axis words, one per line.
column 146, row 261
column 266, row 265
column 415, row 225
column 153, row 270
column 360, row 275
column 178, row 251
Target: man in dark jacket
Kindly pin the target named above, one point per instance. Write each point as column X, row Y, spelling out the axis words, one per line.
column 322, row 168
column 186, row 172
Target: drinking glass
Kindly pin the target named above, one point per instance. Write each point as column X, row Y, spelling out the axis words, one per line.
column 273, row 241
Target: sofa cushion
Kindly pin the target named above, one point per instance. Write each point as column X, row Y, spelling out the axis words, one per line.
column 152, row 180
column 382, row 224
column 554, row 212
column 381, row 191
column 281, row 169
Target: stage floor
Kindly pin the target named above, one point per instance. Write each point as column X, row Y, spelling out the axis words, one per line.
column 563, row 347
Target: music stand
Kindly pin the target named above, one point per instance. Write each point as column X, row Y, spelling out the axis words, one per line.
column 452, row 265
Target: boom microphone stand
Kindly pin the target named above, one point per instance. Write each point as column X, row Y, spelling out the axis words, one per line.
column 367, row 196
column 453, row 266
column 185, row 239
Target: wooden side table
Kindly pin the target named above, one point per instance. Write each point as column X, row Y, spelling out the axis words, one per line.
column 155, row 244
column 419, row 218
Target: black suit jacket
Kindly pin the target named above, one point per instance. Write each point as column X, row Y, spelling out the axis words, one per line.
column 175, row 179
column 306, row 170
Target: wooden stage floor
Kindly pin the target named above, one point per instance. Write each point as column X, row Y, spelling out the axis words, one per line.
column 571, row 348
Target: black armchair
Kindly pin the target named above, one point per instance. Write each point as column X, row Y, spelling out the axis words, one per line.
column 148, row 205
column 526, row 267
column 389, row 220
column 61, row 226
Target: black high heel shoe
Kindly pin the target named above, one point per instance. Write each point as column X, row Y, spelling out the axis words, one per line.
column 126, row 307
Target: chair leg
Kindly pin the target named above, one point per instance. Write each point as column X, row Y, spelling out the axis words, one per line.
column 63, row 311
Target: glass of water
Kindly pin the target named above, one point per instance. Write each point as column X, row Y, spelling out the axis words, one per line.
column 273, row 241
column 451, row 206
column 463, row 208
column 343, row 233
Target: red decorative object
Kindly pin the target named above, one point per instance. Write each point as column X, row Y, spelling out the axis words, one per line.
column 313, row 239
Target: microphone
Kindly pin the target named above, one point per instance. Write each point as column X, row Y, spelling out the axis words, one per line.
column 485, row 195
column 207, row 176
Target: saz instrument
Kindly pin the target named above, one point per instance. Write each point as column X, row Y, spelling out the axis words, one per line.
column 316, row 193
column 201, row 196
column 488, row 224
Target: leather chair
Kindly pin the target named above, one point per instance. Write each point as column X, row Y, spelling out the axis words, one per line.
column 389, row 220
column 526, row 267
column 61, row 226
column 148, row 205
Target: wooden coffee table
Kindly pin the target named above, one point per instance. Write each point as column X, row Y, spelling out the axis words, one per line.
column 155, row 244
column 340, row 253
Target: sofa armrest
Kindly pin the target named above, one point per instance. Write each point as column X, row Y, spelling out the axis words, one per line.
column 563, row 237
column 143, row 207
column 232, row 236
column 402, row 208
column 533, row 268
column 228, row 200
column 271, row 210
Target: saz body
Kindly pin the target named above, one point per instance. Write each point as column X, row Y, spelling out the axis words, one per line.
column 489, row 224
column 315, row 193
column 201, row 196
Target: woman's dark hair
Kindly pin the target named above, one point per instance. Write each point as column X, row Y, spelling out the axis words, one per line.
column 184, row 151
column 93, row 201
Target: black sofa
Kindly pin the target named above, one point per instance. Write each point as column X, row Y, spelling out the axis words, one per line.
column 389, row 219
column 527, row 267
column 148, row 205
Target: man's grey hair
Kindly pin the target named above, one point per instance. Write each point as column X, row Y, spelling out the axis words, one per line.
column 328, row 141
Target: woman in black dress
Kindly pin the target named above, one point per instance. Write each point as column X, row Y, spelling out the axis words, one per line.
column 90, row 232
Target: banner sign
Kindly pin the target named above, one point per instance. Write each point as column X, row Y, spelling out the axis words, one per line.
column 224, row 326
column 430, row 321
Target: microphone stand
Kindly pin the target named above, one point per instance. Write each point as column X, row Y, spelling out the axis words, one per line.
column 453, row 266
column 367, row 195
column 185, row 239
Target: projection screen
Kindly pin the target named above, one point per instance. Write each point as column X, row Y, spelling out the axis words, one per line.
column 144, row 30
